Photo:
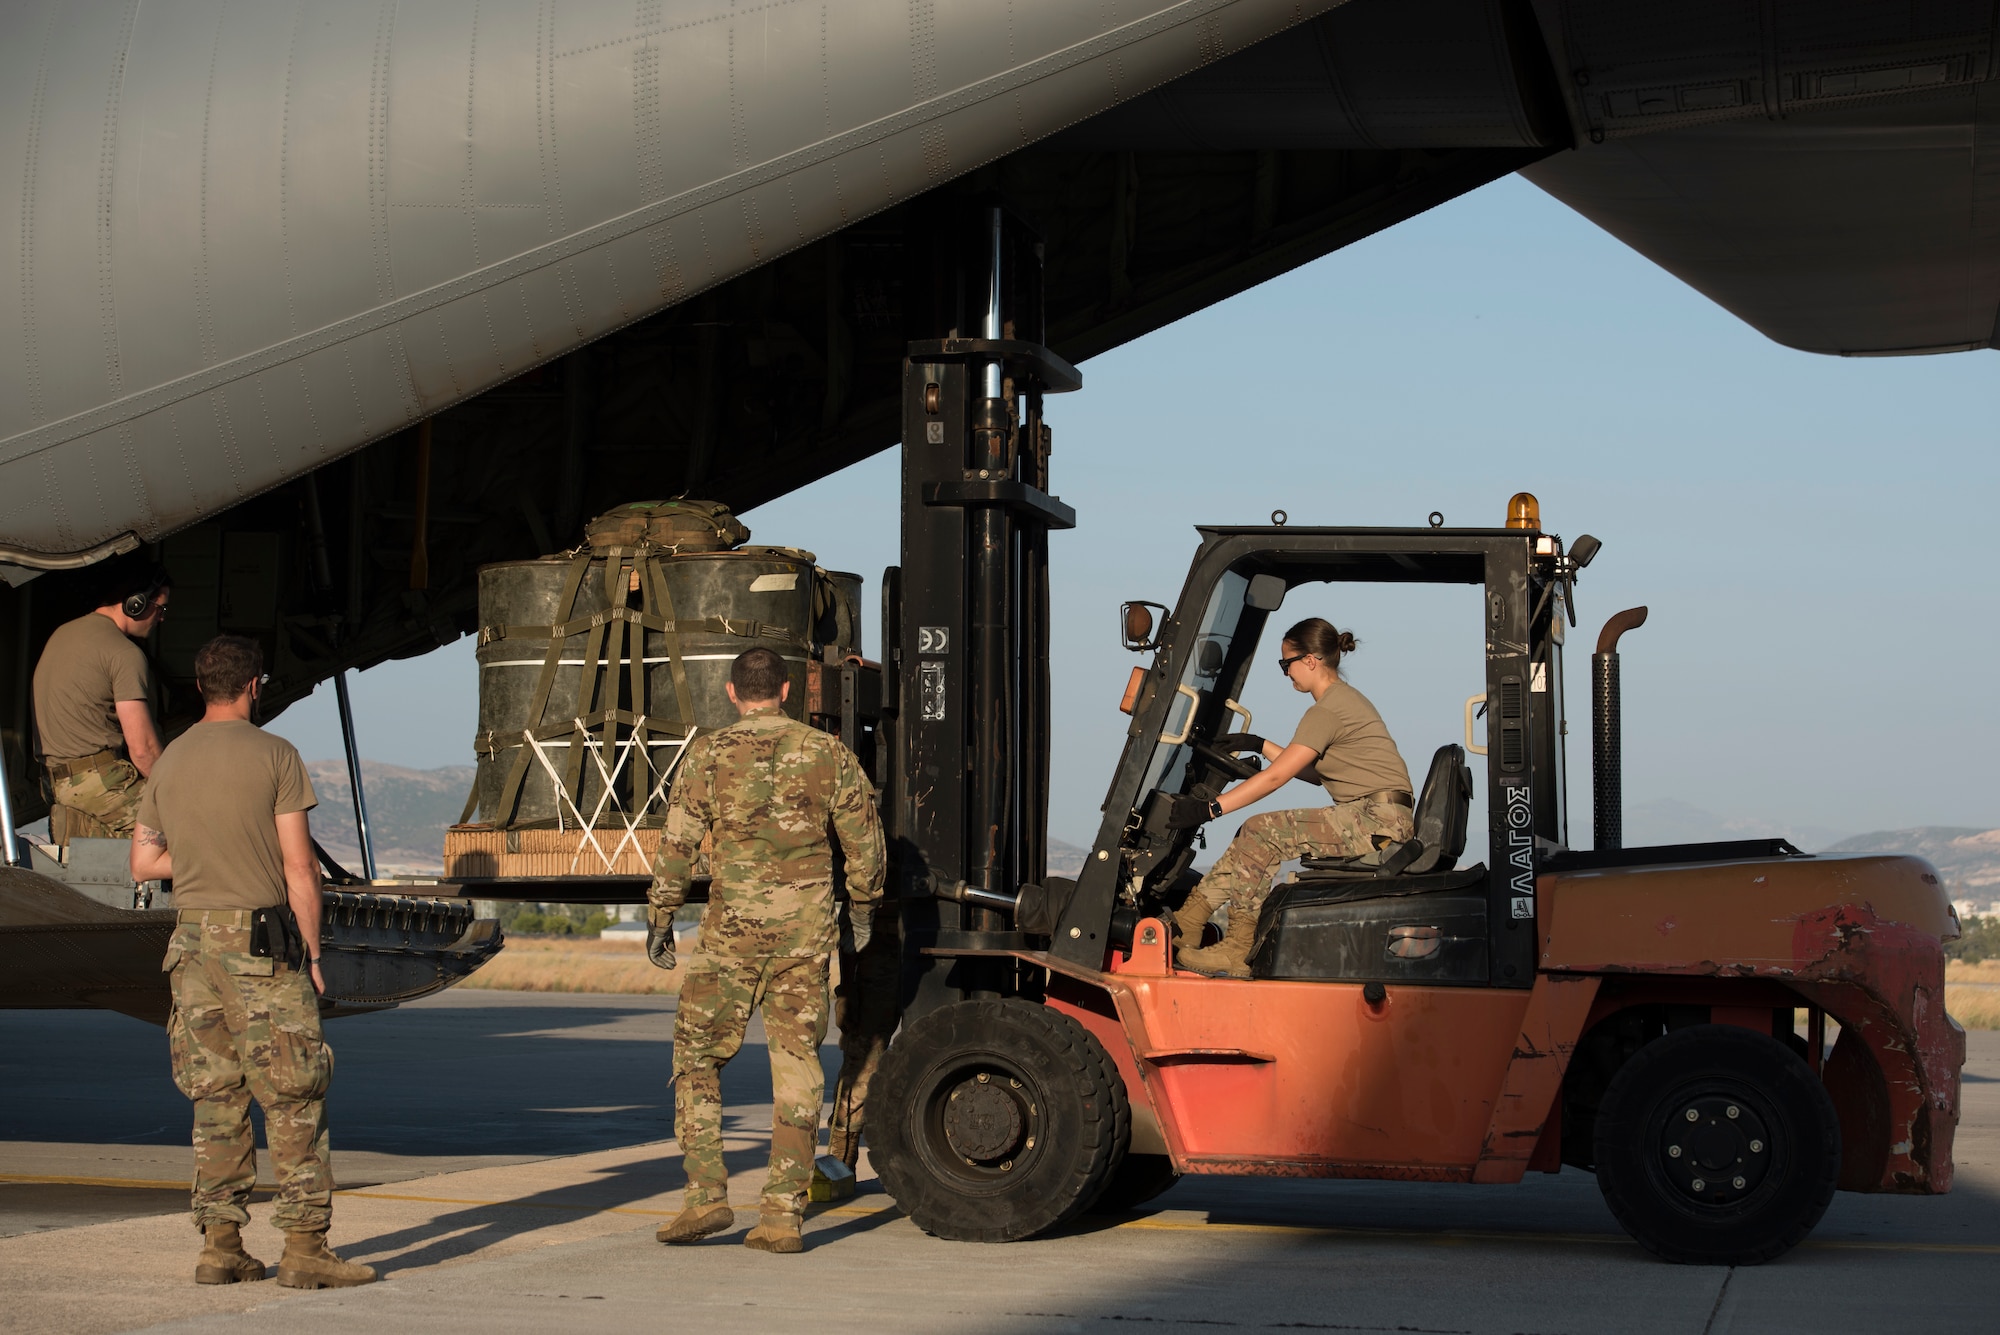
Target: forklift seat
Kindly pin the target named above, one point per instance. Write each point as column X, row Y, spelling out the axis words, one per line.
column 1439, row 838
column 1399, row 914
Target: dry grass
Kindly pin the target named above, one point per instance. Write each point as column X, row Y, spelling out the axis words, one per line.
column 1972, row 993
column 564, row 964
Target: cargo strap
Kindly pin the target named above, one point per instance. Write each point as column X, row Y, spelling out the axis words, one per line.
column 510, row 791
column 739, row 627
column 606, row 636
column 609, row 776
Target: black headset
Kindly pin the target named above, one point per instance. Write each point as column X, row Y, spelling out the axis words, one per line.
column 139, row 604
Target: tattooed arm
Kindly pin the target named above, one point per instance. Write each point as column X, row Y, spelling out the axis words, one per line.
column 150, row 859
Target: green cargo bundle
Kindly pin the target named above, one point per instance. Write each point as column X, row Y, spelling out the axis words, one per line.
column 671, row 527
column 597, row 667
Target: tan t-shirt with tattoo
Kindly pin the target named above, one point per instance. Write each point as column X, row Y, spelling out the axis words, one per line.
column 1356, row 755
column 216, row 793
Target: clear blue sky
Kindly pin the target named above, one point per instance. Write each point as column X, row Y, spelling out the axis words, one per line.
column 1812, row 534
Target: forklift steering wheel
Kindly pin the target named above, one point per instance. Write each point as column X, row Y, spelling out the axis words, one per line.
column 1234, row 766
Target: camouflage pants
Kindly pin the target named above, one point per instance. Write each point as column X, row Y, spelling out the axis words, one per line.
column 96, row 803
column 239, row 1031
column 866, row 1006
column 1242, row 876
column 716, row 1000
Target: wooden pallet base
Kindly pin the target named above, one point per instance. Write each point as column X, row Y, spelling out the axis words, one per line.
column 481, row 850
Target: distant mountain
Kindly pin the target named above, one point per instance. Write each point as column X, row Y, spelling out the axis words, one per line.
column 408, row 810
column 1065, row 859
column 1669, row 821
column 1968, row 859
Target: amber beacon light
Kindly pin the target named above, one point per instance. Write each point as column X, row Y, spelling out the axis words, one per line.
column 1524, row 511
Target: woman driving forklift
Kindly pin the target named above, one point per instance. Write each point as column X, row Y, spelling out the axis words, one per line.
column 1343, row 740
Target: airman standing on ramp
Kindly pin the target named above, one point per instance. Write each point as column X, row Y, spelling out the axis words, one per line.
column 93, row 688
column 775, row 795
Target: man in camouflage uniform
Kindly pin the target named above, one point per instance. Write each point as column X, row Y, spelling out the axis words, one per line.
column 772, row 796
column 93, row 689
column 224, row 818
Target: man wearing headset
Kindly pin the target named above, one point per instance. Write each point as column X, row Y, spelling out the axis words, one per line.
column 93, row 687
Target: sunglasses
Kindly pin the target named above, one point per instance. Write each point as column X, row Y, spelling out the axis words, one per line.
column 1285, row 664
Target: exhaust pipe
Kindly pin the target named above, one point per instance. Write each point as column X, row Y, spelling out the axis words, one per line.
column 1607, row 760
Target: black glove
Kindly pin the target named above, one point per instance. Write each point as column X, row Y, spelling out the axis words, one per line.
column 1189, row 812
column 857, row 929
column 660, row 946
column 1235, row 742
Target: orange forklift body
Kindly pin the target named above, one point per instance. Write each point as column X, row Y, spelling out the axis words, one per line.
column 1631, row 1012
column 1462, row 1084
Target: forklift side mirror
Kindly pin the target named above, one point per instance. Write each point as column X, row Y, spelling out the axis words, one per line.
column 1266, row 593
column 1584, row 550
column 1136, row 626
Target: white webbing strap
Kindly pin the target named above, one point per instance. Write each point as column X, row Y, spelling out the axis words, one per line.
column 609, row 776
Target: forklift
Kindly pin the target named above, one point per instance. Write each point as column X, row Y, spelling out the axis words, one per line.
column 1634, row 1012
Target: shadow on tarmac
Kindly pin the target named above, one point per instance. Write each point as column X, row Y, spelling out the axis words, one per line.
column 503, row 1073
column 500, row 1077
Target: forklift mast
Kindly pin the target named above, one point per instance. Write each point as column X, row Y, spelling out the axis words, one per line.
column 967, row 613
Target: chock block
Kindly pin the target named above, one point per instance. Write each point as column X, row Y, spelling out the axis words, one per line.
column 832, row 1180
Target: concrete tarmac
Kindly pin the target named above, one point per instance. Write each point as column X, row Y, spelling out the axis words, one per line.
column 505, row 1158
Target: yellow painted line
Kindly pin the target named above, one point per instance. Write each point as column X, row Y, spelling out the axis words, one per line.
column 1455, row 1236
column 138, row 1182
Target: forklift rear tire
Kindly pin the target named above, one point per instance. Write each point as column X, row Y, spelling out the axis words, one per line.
column 1716, row 1145
column 1140, row 1178
column 1010, row 1118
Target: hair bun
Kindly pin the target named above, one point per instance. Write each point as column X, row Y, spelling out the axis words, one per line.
column 1347, row 642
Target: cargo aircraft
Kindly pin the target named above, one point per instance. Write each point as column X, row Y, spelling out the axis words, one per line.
column 324, row 305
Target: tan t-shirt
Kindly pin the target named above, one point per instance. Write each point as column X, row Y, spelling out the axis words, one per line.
column 87, row 666
column 1356, row 755
column 215, row 794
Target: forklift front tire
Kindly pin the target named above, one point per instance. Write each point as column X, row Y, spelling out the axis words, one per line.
column 1716, row 1145
column 1009, row 1119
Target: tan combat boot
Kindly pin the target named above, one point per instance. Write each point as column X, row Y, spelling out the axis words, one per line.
column 1229, row 957
column 1191, row 918
column 308, row 1263
column 697, row 1222
column 223, row 1260
column 776, row 1233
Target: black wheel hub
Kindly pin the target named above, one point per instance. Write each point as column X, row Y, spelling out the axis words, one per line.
column 1715, row 1148
column 982, row 1119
